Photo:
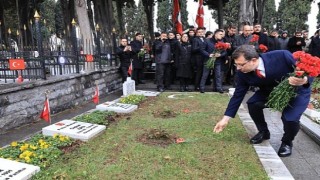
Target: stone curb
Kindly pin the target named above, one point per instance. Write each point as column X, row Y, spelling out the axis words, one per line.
column 311, row 128
column 269, row 159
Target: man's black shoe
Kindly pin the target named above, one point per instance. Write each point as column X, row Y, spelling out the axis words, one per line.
column 285, row 150
column 258, row 138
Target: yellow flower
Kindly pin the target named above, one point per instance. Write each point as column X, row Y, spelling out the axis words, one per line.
column 27, row 159
column 62, row 138
column 33, row 147
column 41, row 141
column 14, row 144
column 24, row 147
column 55, row 135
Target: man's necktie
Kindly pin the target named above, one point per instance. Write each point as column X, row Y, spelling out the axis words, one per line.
column 259, row 74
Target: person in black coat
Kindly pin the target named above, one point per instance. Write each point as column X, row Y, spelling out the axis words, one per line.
column 314, row 47
column 137, row 61
column 273, row 41
column 263, row 38
column 125, row 54
column 296, row 42
column 183, row 63
column 163, row 61
column 197, row 58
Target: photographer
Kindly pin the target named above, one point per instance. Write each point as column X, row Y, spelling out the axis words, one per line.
column 125, row 53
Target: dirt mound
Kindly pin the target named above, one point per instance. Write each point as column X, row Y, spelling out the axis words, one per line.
column 157, row 137
column 165, row 114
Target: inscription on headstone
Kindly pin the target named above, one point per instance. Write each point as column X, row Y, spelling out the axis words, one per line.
column 74, row 129
column 117, row 107
column 12, row 170
column 129, row 86
column 146, row 93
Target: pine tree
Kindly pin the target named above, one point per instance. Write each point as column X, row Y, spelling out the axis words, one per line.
column 164, row 19
column 318, row 17
column 269, row 15
column 230, row 13
column 293, row 15
column 184, row 14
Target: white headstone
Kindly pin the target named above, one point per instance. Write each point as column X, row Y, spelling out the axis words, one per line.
column 13, row 170
column 146, row 93
column 129, row 86
column 74, row 129
column 117, row 107
column 231, row 91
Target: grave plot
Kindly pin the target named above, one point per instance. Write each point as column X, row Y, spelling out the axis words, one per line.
column 117, row 107
column 12, row 170
column 146, row 93
column 74, row 129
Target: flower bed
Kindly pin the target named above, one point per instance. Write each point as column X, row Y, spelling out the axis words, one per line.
column 39, row 150
column 132, row 99
column 96, row 117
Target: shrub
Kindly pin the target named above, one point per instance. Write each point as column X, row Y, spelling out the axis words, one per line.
column 132, row 99
column 96, row 117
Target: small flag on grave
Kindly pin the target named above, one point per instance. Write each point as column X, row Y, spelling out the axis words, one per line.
column 130, row 69
column 95, row 98
column 45, row 114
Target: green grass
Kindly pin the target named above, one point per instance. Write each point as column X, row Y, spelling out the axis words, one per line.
column 116, row 154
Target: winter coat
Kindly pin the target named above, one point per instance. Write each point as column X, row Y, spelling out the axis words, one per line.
column 183, row 60
column 163, row 52
column 125, row 56
column 136, row 47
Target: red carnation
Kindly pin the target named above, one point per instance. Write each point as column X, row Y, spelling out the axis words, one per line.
column 263, row 48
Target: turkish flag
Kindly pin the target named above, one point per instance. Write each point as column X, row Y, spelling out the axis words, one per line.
column 199, row 19
column 89, row 57
column 95, row 98
column 176, row 17
column 45, row 114
column 130, row 69
column 16, row 64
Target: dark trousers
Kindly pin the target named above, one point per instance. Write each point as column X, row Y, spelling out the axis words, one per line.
column 163, row 75
column 124, row 73
column 218, row 75
column 199, row 70
column 137, row 75
column 290, row 128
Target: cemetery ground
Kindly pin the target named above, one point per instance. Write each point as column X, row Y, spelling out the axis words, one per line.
column 166, row 138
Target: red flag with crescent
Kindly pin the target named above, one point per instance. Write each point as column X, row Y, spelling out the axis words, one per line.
column 89, row 57
column 95, row 98
column 45, row 114
column 16, row 64
column 176, row 17
column 200, row 14
column 130, row 69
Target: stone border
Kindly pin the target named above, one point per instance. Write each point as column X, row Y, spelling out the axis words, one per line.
column 311, row 128
column 269, row 159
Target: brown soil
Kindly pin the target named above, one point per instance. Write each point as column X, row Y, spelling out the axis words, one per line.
column 157, row 137
column 165, row 114
column 73, row 146
column 147, row 102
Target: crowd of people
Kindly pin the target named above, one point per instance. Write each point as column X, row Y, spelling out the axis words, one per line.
column 184, row 56
column 243, row 63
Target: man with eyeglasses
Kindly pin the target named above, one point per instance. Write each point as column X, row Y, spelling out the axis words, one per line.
column 266, row 72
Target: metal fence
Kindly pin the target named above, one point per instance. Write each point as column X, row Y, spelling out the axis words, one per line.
column 52, row 63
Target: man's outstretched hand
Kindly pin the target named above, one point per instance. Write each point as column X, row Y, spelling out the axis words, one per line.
column 221, row 124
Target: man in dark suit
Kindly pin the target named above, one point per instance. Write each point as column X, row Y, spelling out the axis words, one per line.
column 266, row 72
column 137, row 61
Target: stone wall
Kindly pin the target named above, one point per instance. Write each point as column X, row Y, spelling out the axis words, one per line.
column 22, row 103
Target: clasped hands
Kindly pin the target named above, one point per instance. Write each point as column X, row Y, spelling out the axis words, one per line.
column 215, row 55
column 297, row 81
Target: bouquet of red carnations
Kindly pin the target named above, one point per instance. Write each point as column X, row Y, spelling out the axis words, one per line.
column 281, row 95
column 218, row 48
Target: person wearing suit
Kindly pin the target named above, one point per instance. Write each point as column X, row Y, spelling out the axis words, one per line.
column 273, row 67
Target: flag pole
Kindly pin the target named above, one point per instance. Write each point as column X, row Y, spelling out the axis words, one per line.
column 47, row 92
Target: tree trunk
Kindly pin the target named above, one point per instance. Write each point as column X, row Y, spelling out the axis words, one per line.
column 84, row 23
column 120, row 17
column 104, row 17
column 149, row 13
column 258, row 10
column 246, row 13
